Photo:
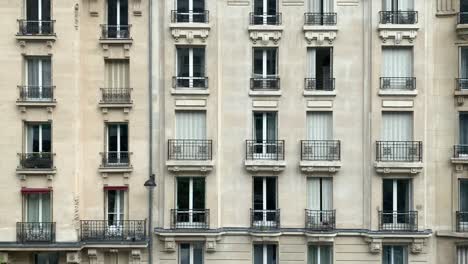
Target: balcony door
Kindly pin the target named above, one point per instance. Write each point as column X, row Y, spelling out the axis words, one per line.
column 38, row 78
column 191, row 253
column 264, row 201
column 319, row 67
column 397, row 202
column 265, row 12
column 398, row 5
column 319, row 201
column 265, row 254
column 265, row 133
column 190, row 11
column 397, row 68
column 265, row 63
column 38, row 16
column 190, row 67
column 38, row 138
column 463, row 204
column 115, row 211
column 320, row 254
column 395, row 255
column 397, row 130
column 117, row 18
column 38, row 207
column 463, row 130
column 117, row 144
column 190, row 202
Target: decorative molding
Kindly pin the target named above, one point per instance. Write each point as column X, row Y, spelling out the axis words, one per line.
column 210, row 245
column 347, row 2
column 190, row 33
column 265, row 165
column 93, row 8
column 417, row 246
column 137, row 8
column 293, row 2
column 73, row 257
column 180, row 166
column 446, row 7
column 320, row 35
column 319, row 104
column 264, row 104
column 93, row 256
column 135, row 256
column 411, row 168
column 77, row 16
column 331, row 167
column 238, row 2
column 169, row 245
column 116, row 49
column 397, row 103
column 265, row 35
column 76, row 211
column 398, row 33
column 375, row 245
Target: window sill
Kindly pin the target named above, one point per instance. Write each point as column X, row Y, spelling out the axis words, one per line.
column 189, row 91
column 203, row 166
column 123, row 169
column 116, row 41
column 391, row 167
column 265, row 165
column 48, row 171
column 308, row 166
column 397, row 93
column 265, row 93
column 319, row 93
column 51, row 37
column 36, row 103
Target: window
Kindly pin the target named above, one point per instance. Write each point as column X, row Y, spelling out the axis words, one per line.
column 191, row 125
column 115, row 201
column 319, row 194
column 463, row 130
column 265, row 12
column 265, row 69
column 397, row 68
column 265, row 254
column 38, row 138
column 117, row 144
column 264, row 201
column 38, row 78
column 319, row 125
column 397, row 126
column 462, row 218
column 191, row 11
column 190, row 68
column 319, row 69
column 320, row 12
column 395, row 255
column 191, row 253
column 117, row 74
column 462, row 255
column 265, row 133
column 46, row 258
column 463, row 12
column 38, row 17
column 190, row 202
column 117, row 19
column 320, row 254
column 38, row 207
column 397, row 142
column 397, row 203
column 463, row 69
column 320, row 6
column 398, row 5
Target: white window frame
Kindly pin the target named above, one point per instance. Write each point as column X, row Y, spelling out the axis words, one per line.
column 120, row 207
column 265, row 221
column 265, row 252
column 40, row 202
column 191, row 254
column 190, row 7
column 319, row 247
column 264, row 128
column 191, row 210
column 40, row 139
column 27, row 60
column 265, row 62
column 118, row 156
column 191, row 65
column 265, row 11
column 392, row 254
column 395, row 199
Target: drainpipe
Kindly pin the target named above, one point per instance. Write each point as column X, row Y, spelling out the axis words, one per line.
column 150, row 183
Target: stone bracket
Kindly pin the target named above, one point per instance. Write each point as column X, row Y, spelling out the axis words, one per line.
column 188, row 33
column 375, row 245
column 135, row 256
column 73, row 257
column 265, row 35
column 398, row 33
column 320, row 35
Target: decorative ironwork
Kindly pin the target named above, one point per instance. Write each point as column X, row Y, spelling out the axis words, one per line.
column 405, row 151
column 116, row 95
column 462, row 83
column 265, row 149
column 115, row 31
column 267, row 83
column 398, row 221
column 460, row 151
column 398, row 83
column 320, row 219
column 189, row 149
column 35, row 232
column 116, row 159
column 398, row 17
column 265, row 19
column 32, row 93
column 190, row 219
column 265, row 219
column 462, row 18
column 36, row 160
column 106, row 230
column 462, row 221
column 190, row 82
column 36, row 27
column 313, row 84
column 190, row 16
column 320, row 19
column 320, row 150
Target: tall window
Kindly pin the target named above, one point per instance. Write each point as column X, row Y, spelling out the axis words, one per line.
column 395, row 255
column 319, row 194
column 463, row 69
column 190, row 125
column 463, row 206
column 320, row 6
column 117, row 144
column 463, row 128
column 117, row 18
column 320, row 69
column 265, row 133
column 191, row 11
column 398, row 5
column 38, row 17
column 38, row 78
column 265, row 12
column 264, row 201
column 117, row 74
column 265, row 254
column 320, row 254
column 265, row 63
column 397, row 68
column 397, row 126
column 38, row 138
column 319, row 125
column 190, row 202
column 190, row 68
column 46, row 258
column 191, row 253
column 38, row 207
column 397, row 202
column 115, row 201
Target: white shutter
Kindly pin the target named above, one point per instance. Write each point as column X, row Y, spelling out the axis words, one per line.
column 311, row 59
column 327, row 194
column 117, row 74
column 397, row 126
column 397, row 62
column 319, row 126
column 190, row 125
column 313, row 193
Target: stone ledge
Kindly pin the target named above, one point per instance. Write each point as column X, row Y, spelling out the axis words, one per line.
column 265, row 165
column 397, row 93
column 462, row 31
column 203, row 166
column 126, row 169
column 264, row 93
column 36, row 37
column 385, row 167
column 319, row 93
column 51, row 171
column 189, row 91
column 116, row 41
column 319, row 166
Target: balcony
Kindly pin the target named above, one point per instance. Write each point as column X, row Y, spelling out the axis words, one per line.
column 320, row 155
column 397, row 86
column 320, row 27
column 320, row 19
column 190, row 26
column 265, row 220
column 265, row 155
column 271, row 83
column 113, row 231
column 30, row 95
column 462, row 221
column 460, row 154
column 271, row 19
column 398, row 25
column 190, row 219
column 461, row 90
column 399, row 221
column 115, row 161
column 399, row 156
column 36, row 30
column 462, row 25
column 190, row 16
column 41, row 163
column 189, row 155
column 190, row 85
column 266, row 28
column 35, row 232
column 115, row 34
column 398, row 17
column 116, row 98
column 319, row 87
column 320, row 220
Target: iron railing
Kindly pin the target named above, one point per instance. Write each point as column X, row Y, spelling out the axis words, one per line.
column 115, row 159
column 265, row 19
column 313, row 84
column 321, row 150
column 35, row 232
column 320, row 219
column 462, row 221
column 460, row 151
column 398, row 221
column 320, row 19
column 190, row 82
column 36, row 160
column 115, row 31
column 265, row 219
column 105, row 230
column 190, row 219
column 398, row 83
column 190, row 16
column 34, row 93
column 462, row 83
column 462, row 18
column 264, row 149
column 116, row 95
column 404, row 151
column 189, row 149
column 267, row 83
column 36, row 27
column 398, row 17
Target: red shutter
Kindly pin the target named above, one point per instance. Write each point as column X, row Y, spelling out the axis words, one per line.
column 115, row 188
column 25, row 190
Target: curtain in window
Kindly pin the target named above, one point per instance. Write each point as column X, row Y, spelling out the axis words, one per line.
column 462, row 253
column 312, row 255
column 33, row 71
column 32, row 138
column 197, row 253
column 311, row 60
column 405, row 5
column 46, row 72
column 463, row 119
column 184, row 254
column 45, row 207
column 464, row 62
column 464, row 196
column 33, row 208
column 397, row 62
column 397, row 126
column 271, row 126
column 319, row 126
column 327, row 194
column 271, row 254
column 320, row 6
column 258, row 254
column 313, row 193
column 117, row 74
column 190, row 125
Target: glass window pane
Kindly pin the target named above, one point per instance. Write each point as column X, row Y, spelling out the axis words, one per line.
column 258, row 62
column 112, row 137
column 258, row 254
column 312, row 255
column 326, row 255
column 387, row 195
column 403, row 192
column 198, row 193
column 271, row 62
column 258, row 193
column 46, row 138
column 271, row 254
column 184, row 254
column 197, row 254
column 123, row 137
column 33, row 208
column 183, row 62
column 46, row 215
column 183, row 193
column 464, row 195
column 271, row 193
column 199, row 62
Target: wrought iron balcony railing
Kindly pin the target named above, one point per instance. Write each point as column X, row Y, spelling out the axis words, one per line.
column 462, row 18
column 265, row 219
column 398, row 221
column 460, row 152
column 320, row 19
column 33, row 93
column 189, row 149
column 400, row 151
column 313, row 84
column 320, row 220
column 36, row 27
column 190, row 219
column 265, row 19
column 178, row 16
column 36, row 160
column 115, row 159
column 116, row 95
column 462, row 221
column 267, row 83
column 462, row 83
column 398, row 17
column 106, row 230
column 264, row 149
column 190, row 82
column 398, row 83
column 35, row 232
column 115, row 31
column 325, row 150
